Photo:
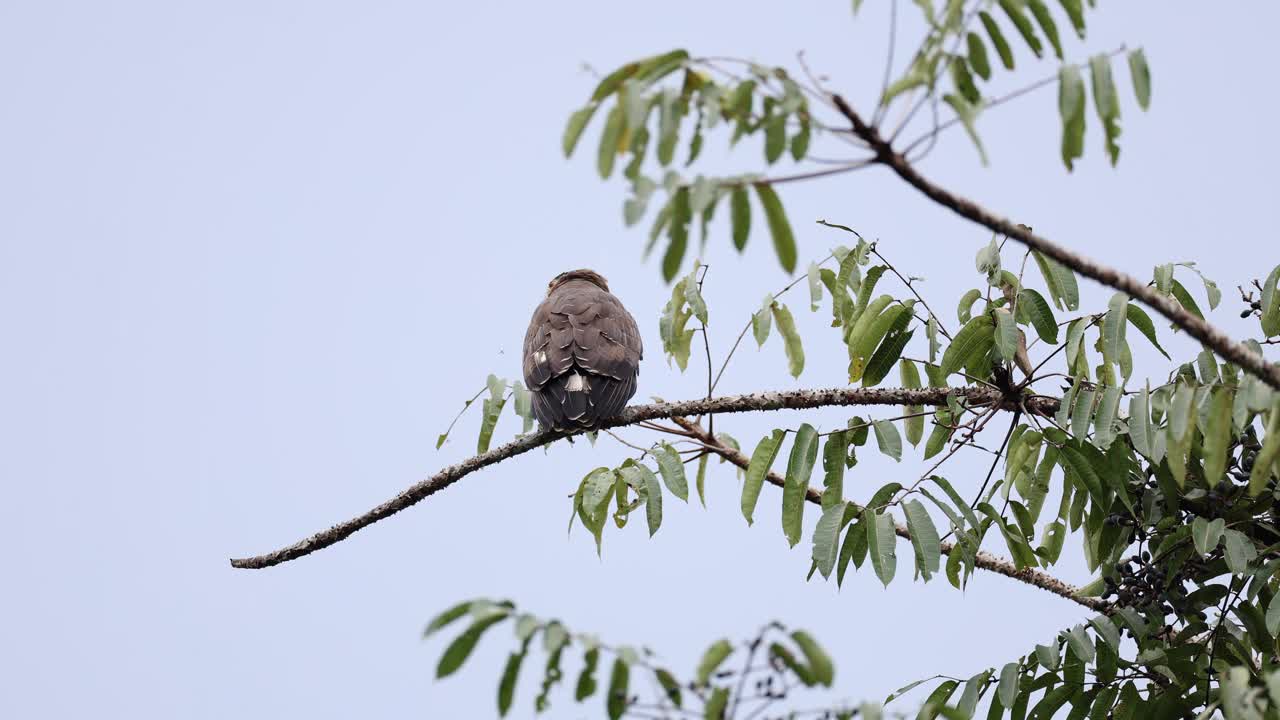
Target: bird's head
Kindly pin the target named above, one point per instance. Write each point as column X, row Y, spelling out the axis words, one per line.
column 590, row 276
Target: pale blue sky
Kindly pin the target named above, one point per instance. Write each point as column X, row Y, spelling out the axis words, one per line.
column 253, row 256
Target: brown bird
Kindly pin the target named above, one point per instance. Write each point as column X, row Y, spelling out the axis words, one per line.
column 581, row 354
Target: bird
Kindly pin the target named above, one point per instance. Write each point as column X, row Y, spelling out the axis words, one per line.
column 581, row 353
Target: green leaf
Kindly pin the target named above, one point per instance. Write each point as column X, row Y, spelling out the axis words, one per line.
column 740, row 216
column 963, row 81
column 800, row 141
column 1071, row 111
column 1113, row 326
column 881, row 542
column 1105, row 417
column 973, row 340
column 1006, row 334
column 1013, row 8
column 672, row 469
column 619, row 680
column 1140, row 320
column 652, row 496
column 834, row 454
column 668, row 126
column 1207, row 534
column 914, row 425
column 978, row 56
column 775, row 137
column 790, row 339
column 1047, row 24
column 1240, row 551
column 1060, row 280
column 1141, row 75
column 1270, row 304
column 445, row 618
column 586, row 686
column 820, row 665
column 715, row 707
column 701, row 479
column 1008, row 688
column 762, row 321
column 998, row 40
column 964, row 310
column 1184, row 298
column 784, row 242
column 573, row 130
column 888, row 439
column 924, row 538
column 507, row 685
column 491, row 409
column 613, row 129
column 1106, row 103
column 761, row 460
column 711, row 660
column 1217, row 435
column 804, row 453
column 967, row 112
column 1267, row 461
column 1080, row 644
column 815, row 286
column 678, row 232
column 826, row 539
column 461, row 647
column 611, row 82
column 1035, row 309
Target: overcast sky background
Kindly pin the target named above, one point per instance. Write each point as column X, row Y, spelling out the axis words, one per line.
column 253, row 256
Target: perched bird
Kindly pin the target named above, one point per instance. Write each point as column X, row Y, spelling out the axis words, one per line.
column 581, row 354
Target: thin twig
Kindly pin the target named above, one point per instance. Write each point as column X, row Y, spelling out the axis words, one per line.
column 984, row 559
column 1171, row 309
column 756, row 402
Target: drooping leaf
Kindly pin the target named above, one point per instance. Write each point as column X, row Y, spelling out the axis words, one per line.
column 881, row 544
column 784, row 242
column 826, row 539
column 711, row 660
column 1140, row 320
column 619, row 681
column 1061, row 281
column 804, row 453
column 507, row 684
column 790, row 339
column 716, row 704
column 672, row 469
column 573, row 129
column 762, row 321
column 924, row 538
column 978, row 56
column 834, row 454
column 740, row 216
column 820, row 666
column 1071, row 111
column 1045, row 20
column 460, row 649
column 1267, row 462
column 974, row 339
column 997, row 39
column 1240, row 550
column 1141, row 75
column 888, row 439
column 1106, row 102
column 914, row 425
column 1014, row 9
column 1035, row 309
column 761, row 460
column 491, row 409
column 1217, row 435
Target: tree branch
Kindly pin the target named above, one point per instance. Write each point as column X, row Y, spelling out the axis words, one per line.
column 985, row 560
column 1200, row 329
column 782, row 400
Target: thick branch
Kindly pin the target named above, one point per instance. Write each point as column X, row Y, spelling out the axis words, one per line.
column 985, row 560
column 1198, row 328
column 784, row 400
